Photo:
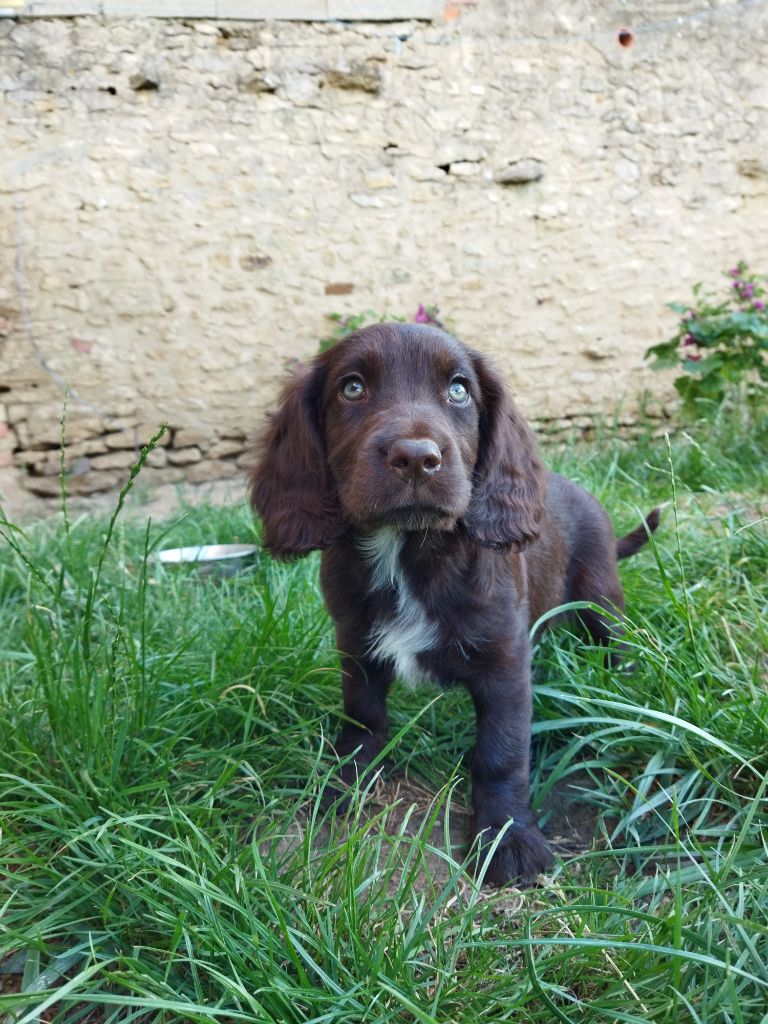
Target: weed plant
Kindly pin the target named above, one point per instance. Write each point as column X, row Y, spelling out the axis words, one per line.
column 164, row 751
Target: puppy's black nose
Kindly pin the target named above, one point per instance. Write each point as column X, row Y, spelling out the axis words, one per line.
column 414, row 459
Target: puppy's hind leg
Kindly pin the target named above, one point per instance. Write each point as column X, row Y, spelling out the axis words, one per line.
column 604, row 623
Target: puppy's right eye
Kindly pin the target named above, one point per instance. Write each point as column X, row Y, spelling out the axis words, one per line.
column 458, row 392
column 353, row 389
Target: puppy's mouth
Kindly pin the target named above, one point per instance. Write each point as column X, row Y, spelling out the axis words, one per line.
column 415, row 517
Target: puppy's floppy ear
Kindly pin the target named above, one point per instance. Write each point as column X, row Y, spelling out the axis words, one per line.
column 291, row 488
column 509, row 493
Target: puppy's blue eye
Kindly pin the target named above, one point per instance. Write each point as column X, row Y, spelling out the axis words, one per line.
column 353, row 389
column 457, row 392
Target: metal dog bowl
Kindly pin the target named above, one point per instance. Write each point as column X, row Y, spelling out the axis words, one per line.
column 211, row 559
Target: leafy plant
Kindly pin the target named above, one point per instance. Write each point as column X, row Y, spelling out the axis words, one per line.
column 346, row 325
column 720, row 346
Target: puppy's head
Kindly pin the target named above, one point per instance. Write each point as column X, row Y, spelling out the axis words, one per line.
column 399, row 424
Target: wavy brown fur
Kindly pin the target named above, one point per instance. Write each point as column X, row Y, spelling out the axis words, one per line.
column 402, row 457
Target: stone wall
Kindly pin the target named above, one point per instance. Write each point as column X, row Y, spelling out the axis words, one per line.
column 184, row 202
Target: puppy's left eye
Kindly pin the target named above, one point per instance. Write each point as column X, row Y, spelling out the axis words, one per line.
column 353, row 389
column 458, row 393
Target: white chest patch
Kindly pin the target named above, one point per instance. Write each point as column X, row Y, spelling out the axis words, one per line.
column 410, row 631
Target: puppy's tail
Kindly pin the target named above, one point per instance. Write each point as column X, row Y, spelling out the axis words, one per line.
column 631, row 543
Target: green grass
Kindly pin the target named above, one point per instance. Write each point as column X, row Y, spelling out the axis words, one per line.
column 164, row 746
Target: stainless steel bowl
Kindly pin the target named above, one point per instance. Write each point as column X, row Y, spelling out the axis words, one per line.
column 211, row 559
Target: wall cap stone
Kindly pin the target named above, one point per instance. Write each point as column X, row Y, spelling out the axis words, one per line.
column 242, row 10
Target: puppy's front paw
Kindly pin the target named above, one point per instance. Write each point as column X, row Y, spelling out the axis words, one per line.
column 521, row 857
column 355, row 772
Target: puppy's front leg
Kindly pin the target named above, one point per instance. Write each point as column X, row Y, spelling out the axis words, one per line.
column 500, row 776
column 365, row 684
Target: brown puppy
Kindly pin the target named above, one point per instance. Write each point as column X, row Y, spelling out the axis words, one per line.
column 401, row 457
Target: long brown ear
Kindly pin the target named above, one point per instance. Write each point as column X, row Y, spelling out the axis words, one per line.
column 290, row 484
column 509, row 493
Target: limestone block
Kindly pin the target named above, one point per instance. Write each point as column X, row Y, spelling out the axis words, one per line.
column 159, row 8
column 121, row 422
column 149, row 429
column 44, row 486
column 30, row 458
column 114, row 460
column 465, row 169
column 389, row 11
column 184, row 456
column 521, row 172
column 363, row 75
column 48, row 435
column 92, row 483
column 211, row 469
column 147, row 79
column 121, row 439
column 135, row 437
column 163, row 475
column 48, row 466
column 293, row 9
column 222, row 449
column 186, row 437
column 61, row 8
column 157, row 458
column 261, row 82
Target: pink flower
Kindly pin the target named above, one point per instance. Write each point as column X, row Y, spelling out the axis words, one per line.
column 694, row 357
column 422, row 316
column 757, row 304
column 689, row 340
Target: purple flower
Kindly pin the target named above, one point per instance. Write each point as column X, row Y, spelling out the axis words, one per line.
column 689, row 340
column 747, row 291
column 425, row 314
column 757, row 304
column 734, row 271
column 694, row 357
